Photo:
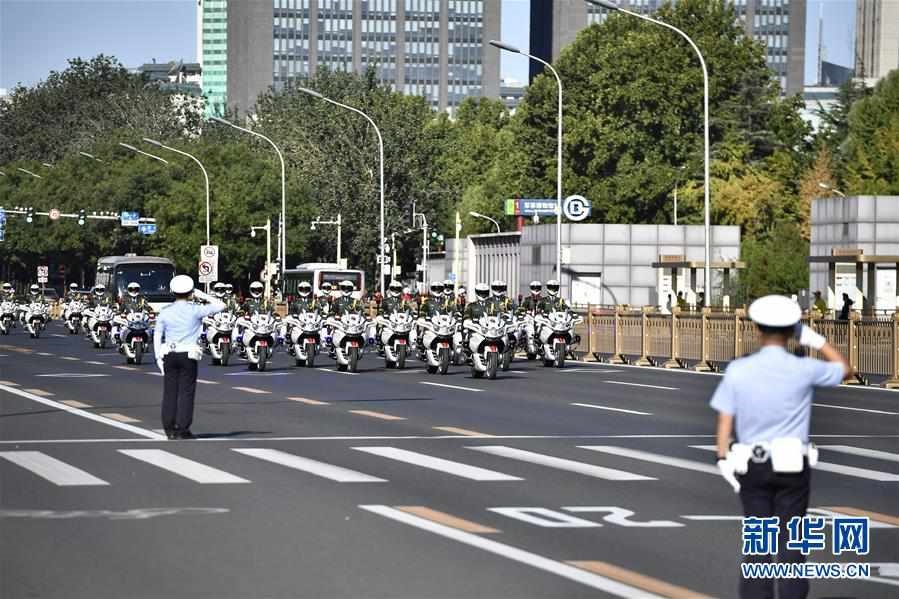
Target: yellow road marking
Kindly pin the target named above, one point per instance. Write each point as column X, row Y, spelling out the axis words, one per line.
column 877, row 517
column 460, row 431
column 311, row 402
column 647, row 583
column 446, row 519
column 9, row 383
column 376, row 415
column 252, row 390
column 119, row 417
column 40, row 392
column 75, row 404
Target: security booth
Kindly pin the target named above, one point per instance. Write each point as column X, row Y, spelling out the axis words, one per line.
column 677, row 274
column 870, row 281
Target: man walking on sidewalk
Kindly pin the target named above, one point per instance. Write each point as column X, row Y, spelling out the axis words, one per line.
column 175, row 344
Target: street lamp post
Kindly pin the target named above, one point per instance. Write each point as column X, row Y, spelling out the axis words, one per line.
column 91, row 156
column 508, row 48
column 485, row 217
column 824, row 185
column 425, row 247
column 282, row 227
column 147, row 154
column 381, row 250
column 339, row 222
column 268, row 254
column 707, row 295
column 202, row 168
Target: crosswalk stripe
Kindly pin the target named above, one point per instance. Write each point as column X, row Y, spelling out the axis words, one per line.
column 637, row 454
column 329, row 471
column 119, row 417
column 447, row 466
column 884, row 477
column 641, row 581
column 190, row 469
column 863, row 451
column 560, row 463
column 57, row 472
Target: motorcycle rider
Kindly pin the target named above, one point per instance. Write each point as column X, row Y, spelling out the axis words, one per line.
column 252, row 305
column 72, row 294
column 500, row 303
column 436, row 302
column 306, row 302
column 346, row 303
column 133, row 301
column 394, row 302
column 231, row 304
column 8, row 294
column 531, row 303
column 552, row 302
column 35, row 296
column 480, row 307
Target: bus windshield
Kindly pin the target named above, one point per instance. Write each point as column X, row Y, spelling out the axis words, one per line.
column 153, row 279
column 337, row 276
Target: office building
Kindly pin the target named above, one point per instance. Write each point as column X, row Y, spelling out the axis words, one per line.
column 779, row 24
column 876, row 39
column 434, row 48
column 175, row 76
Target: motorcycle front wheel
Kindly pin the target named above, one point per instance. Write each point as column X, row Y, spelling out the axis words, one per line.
column 310, row 355
column 561, row 350
column 401, row 357
column 226, row 354
column 443, row 360
column 492, row 365
column 507, row 360
column 138, row 354
column 263, row 359
column 353, row 359
column 104, row 339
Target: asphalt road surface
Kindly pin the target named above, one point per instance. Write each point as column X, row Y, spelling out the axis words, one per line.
column 591, row 481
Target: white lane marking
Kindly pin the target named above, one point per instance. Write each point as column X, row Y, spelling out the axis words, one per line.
column 642, row 385
column 456, row 387
column 826, row 405
column 590, row 370
column 412, row 371
column 154, row 373
column 71, row 358
column 447, row 466
column 337, row 371
column 119, row 417
column 40, row 353
column 60, row 336
column 72, row 375
column 329, row 471
column 884, row 477
column 49, row 468
column 190, row 469
column 713, row 518
column 205, row 382
column 89, row 415
column 517, row 371
column 252, row 390
column 636, row 454
column 256, row 374
column 590, row 405
column 863, row 451
column 560, row 463
column 95, row 362
column 539, row 562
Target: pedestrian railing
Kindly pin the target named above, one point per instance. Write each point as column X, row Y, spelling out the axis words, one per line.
column 708, row 340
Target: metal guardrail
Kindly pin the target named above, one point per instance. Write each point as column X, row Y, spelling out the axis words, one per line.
column 708, row 340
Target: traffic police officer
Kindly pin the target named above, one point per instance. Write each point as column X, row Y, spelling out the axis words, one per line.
column 178, row 353
column 769, row 395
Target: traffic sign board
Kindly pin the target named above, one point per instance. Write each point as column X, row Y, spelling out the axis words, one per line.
column 576, row 208
column 54, row 214
column 208, row 268
column 130, row 219
column 2, row 216
column 43, row 271
column 146, row 228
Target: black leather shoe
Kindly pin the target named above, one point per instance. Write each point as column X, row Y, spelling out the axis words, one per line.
column 185, row 435
column 171, row 435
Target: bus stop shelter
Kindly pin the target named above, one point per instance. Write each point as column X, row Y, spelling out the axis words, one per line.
column 862, row 263
column 675, row 264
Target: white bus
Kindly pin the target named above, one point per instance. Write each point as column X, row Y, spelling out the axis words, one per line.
column 152, row 273
column 320, row 272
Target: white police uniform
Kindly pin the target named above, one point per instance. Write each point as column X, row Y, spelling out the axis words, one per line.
column 769, row 394
column 177, row 350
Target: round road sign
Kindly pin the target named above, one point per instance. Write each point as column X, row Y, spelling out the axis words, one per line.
column 54, row 214
column 205, row 268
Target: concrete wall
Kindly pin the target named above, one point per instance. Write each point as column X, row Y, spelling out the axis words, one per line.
column 249, row 52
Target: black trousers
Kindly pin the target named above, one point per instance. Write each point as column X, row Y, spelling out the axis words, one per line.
column 179, row 391
column 764, row 494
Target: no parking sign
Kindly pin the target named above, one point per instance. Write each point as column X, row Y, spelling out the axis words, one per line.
column 208, row 269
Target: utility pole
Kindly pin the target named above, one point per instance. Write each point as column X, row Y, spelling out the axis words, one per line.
column 456, row 253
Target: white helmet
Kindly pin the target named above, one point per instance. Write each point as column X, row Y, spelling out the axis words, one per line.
column 35, row 289
column 229, row 289
column 99, row 290
column 395, row 289
column 133, row 289
column 304, row 289
column 448, row 288
column 552, row 287
column 347, row 288
column 436, row 288
column 256, row 289
column 8, row 288
column 73, row 286
column 536, row 287
column 482, row 291
column 498, row 288
column 219, row 290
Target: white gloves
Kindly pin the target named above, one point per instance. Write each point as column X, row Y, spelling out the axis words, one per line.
column 202, row 295
column 159, row 364
column 726, row 468
column 809, row 338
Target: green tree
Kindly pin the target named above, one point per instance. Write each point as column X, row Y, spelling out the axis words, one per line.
column 872, row 141
column 776, row 262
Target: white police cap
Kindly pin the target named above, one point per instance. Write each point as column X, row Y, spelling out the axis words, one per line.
column 775, row 311
column 182, row 284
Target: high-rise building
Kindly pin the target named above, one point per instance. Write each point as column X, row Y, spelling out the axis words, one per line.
column 779, row 24
column 434, row 48
column 876, row 39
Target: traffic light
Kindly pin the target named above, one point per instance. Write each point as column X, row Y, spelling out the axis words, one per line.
column 82, row 216
column 29, row 215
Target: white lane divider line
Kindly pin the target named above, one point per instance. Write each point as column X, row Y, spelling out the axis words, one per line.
column 206, row 382
column 337, row 371
column 44, row 353
column 189, row 469
column 527, row 558
column 379, row 415
column 646, row 456
column 869, row 411
column 154, row 373
column 642, row 385
column 252, row 390
column 590, row 370
column 460, row 431
column 862, row 451
column 120, row 367
column 590, row 405
column 456, row 387
column 884, row 477
column 70, row 358
column 410, row 371
column 59, row 336
column 40, row 392
column 560, row 463
column 79, row 412
column 119, row 417
column 308, row 402
column 439, row 464
column 95, row 362
column 49, row 468
column 322, row 469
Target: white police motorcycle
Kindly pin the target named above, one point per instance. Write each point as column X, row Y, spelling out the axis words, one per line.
column 304, row 337
column 556, row 334
column 216, row 338
column 259, row 340
column 348, row 338
column 100, row 321
column 440, row 340
column 134, row 335
column 7, row 316
column 396, row 333
column 73, row 314
column 487, row 342
column 36, row 316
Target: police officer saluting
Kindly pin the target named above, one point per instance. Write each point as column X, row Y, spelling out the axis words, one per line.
column 768, row 397
column 178, row 353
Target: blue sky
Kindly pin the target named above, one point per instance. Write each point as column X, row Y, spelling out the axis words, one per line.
column 37, row 36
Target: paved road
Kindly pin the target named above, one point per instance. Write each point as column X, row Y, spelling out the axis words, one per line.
column 313, row 483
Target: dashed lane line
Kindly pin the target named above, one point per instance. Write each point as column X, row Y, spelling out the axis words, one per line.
column 337, row 371
column 456, row 387
column 252, row 390
column 195, row 471
column 322, row 469
column 46, row 354
column 460, row 431
column 70, row 358
column 119, row 417
column 439, row 464
column 120, row 367
column 446, row 519
column 95, row 363
column 379, row 415
column 49, row 468
column 207, row 382
column 590, row 405
column 40, row 392
column 561, row 463
column 641, row 581
column 862, row 451
column 826, row 405
column 642, row 385
column 308, row 402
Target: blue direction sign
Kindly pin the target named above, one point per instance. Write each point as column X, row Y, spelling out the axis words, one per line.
column 130, row 219
column 2, row 216
column 146, row 228
column 2, row 233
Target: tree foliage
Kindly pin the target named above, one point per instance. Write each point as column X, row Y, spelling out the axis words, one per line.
column 872, row 141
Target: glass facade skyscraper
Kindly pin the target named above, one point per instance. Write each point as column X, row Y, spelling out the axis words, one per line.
column 212, row 51
column 433, row 48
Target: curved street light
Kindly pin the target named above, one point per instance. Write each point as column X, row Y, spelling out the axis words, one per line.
column 485, row 217
column 202, row 168
column 28, row 172
column 824, row 185
column 513, row 49
column 382, row 247
column 147, row 154
column 707, row 283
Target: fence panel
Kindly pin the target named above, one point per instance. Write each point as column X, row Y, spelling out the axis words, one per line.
column 659, row 326
column 602, row 334
column 721, row 338
column 689, row 333
column 631, row 334
column 875, row 346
